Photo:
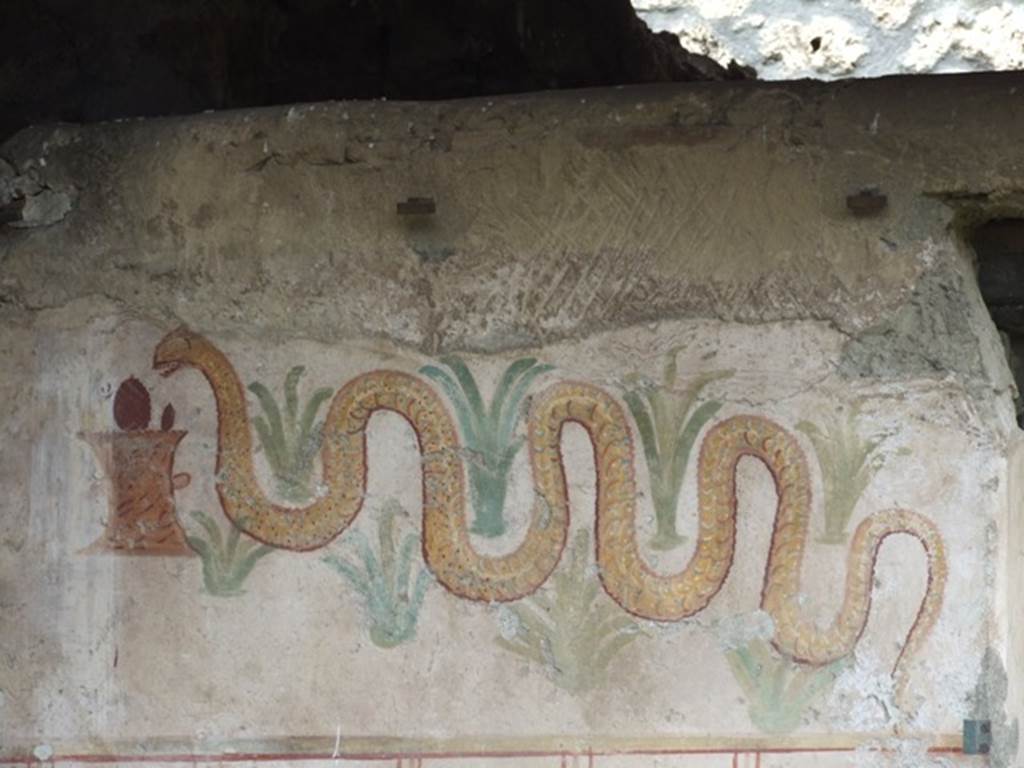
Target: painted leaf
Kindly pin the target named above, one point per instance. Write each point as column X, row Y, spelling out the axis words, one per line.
column 167, row 418
column 390, row 602
column 227, row 561
column 290, row 440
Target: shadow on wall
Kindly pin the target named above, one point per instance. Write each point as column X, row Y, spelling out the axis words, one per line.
column 999, row 245
column 81, row 62
column 988, row 702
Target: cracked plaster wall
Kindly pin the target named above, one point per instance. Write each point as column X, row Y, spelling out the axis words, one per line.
column 596, row 229
column 784, row 40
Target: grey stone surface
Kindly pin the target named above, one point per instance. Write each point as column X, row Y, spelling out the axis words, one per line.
column 557, row 214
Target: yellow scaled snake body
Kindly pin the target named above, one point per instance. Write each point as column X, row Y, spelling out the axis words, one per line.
column 447, row 546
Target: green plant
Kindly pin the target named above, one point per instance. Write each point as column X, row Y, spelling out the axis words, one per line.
column 227, row 560
column 847, row 462
column 668, row 425
column 488, row 432
column 778, row 690
column 391, row 600
column 290, row 442
column 571, row 628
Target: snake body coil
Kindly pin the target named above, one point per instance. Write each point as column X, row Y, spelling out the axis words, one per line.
column 451, row 556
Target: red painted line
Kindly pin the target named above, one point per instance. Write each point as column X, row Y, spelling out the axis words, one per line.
column 239, row 757
column 735, row 760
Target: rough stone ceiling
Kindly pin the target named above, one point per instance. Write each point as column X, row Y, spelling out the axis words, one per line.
column 88, row 60
column 787, row 39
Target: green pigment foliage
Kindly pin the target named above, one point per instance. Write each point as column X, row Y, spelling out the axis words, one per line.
column 571, row 628
column 848, row 463
column 668, row 425
column 383, row 579
column 227, row 559
column 488, row 432
column 290, row 441
column 778, row 690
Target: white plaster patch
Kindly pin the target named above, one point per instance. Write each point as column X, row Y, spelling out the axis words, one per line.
column 934, row 39
column 868, row 38
column 891, row 14
column 742, row 629
column 824, row 45
column 862, row 699
column 700, row 38
column 43, row 752
column 719, row 9
column 992, row 39
column 509, row 625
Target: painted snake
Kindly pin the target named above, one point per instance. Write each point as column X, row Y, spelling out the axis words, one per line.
column 448, row 549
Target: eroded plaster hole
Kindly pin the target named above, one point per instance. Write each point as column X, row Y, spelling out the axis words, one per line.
column 815, row 44
column 999, row 245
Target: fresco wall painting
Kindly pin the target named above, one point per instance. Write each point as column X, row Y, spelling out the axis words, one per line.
column 567, row 605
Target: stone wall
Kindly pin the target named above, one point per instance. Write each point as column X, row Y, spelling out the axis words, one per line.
column 787, row 40
column 639, row 449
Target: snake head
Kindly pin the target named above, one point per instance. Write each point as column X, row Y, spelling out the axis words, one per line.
column 175, row 350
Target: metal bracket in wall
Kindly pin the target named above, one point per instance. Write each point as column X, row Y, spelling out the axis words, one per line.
column 867, row 202
column 417, row 206
column 977, row 737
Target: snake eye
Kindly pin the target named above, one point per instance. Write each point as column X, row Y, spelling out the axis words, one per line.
column 167, row 368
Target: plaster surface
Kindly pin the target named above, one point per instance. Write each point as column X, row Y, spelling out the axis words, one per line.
column 846, row 38
column 682, row 255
